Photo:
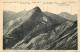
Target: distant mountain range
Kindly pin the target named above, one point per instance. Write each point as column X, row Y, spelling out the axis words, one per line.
column 9, row 15
column 37, row 30
column 69, row 16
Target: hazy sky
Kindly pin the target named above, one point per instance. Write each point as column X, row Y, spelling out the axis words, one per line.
column 50, row 6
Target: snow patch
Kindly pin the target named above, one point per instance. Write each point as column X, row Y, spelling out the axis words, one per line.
column 45, row 19
column 11, row 22
column 18, row 18
column 43, row 22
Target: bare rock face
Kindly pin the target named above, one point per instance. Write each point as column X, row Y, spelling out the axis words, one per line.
column 38, row 31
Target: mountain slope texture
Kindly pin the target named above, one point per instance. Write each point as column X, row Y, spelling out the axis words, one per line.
column 40, row 31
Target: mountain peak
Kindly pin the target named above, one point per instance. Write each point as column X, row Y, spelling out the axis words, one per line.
column 37, row 9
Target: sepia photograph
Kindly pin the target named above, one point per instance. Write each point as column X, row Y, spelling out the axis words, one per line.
column 40, row 25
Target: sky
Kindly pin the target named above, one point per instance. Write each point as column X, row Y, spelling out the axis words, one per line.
column 49, row 6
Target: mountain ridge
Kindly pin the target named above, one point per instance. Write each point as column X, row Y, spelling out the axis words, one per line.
column 39, row 31
column 69, row 16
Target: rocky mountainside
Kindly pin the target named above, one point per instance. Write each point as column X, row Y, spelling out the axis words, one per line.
column 9, row 15
column 58, row 18
column 39, row 31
